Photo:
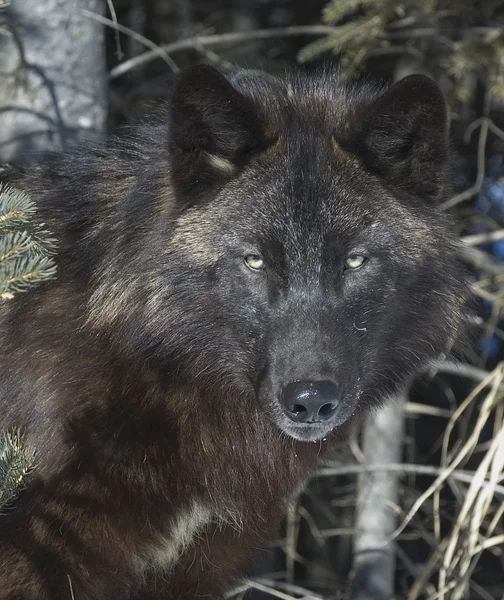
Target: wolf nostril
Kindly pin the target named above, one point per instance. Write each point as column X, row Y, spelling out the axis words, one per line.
column 327, row 410
column 310, row 401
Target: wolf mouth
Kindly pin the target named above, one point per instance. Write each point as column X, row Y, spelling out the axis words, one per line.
column 309, row 432
column 306, row 433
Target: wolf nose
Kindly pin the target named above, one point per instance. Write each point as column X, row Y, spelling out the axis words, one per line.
column 310, row 401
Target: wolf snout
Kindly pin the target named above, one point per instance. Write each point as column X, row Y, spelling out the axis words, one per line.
column 310, row 401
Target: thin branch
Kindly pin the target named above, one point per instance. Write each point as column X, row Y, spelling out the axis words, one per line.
column 497, row 130
column 71, row 587
column 404, row 468
column 288, row 587
column 218, row 40
column 415, row 408
column 464, row 370
column 157, row 50
column 291, row 538
column 119, row 52
column 495, row 378
column 483, row 238
column 474, row 189
column 266, row 585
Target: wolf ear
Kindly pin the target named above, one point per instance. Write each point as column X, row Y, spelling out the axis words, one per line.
column 404, row 137
column 214, row 128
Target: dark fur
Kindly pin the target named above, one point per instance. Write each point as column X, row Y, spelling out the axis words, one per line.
column 148, row 374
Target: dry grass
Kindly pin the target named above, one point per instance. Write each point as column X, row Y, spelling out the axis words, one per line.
column 457, row 519
column 451, row 501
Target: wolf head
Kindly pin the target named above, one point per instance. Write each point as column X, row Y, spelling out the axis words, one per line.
column 301, row 259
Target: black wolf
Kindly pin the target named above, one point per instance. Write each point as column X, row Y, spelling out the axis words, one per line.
column 240, row 278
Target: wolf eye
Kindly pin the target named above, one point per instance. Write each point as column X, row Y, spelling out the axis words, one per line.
column 254, row 262
column 355, row 261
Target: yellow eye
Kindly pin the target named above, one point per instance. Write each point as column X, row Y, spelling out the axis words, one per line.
column 254, row 262
column 355, row 261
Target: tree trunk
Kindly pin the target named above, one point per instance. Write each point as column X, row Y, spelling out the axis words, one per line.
column 53, row 90
column 374, row 553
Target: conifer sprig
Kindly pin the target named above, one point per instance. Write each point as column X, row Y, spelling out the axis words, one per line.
column 428, row 31
column 16, row 462
column 26, row 249
column 16, row 208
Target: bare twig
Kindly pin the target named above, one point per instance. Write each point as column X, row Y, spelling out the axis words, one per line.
column 220, row 40
column 457, row 561
column 269, row 586
column 288, row 587
column 483, row 123
column 483, row 238
column 119, row 52
column 414, row 408
column 496, row 130
column 464, row 370
column 423, row 580
column 157, row 50
column 291, row 537
column 440, row 472
column 496, row 379
column 481, row 260
column 71, row 587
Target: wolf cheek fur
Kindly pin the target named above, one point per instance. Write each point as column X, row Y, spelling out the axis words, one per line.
column 228, row 293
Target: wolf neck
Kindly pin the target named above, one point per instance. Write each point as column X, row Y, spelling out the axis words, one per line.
column 226, row 451
column 241, row 453
column 165, row 442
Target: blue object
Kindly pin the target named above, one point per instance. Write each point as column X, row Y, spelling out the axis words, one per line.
column 496, row 194
column 483, row 204
column 486, row 308
column 495, row 165
column 490, row 346
column 498, row 249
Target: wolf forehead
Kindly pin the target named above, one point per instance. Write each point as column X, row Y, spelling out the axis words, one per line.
column 302, row 200
column 307, row 149
column 321, row 101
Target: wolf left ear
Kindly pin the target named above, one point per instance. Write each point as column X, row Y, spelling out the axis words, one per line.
column 404, row 137
column 214, row 128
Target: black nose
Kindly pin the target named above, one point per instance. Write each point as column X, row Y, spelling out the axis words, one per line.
column 310, row 401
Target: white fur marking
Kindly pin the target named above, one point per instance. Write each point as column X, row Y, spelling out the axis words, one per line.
column 181, row 533
column 220, row 163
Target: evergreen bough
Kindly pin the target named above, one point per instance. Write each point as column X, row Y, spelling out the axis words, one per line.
column 446, row 37
column 25, row 248
column 16, row 462
column 26, row 259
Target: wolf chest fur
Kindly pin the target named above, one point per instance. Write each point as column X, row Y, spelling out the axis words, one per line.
column 241, row 278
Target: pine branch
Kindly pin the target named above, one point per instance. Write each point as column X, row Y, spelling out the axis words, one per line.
column 14, row 244
column 25, row 248
column 337, row 10
column 16, row 462
column 350, row 32
column 22, row 273
column 16, row 208
column 42, row 243
column 415, row 28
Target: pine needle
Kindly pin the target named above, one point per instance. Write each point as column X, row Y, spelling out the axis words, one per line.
column 337, row 10
column 25, row 248
column 360, row 29
column 23, row 272
column 16, row 208
column 16, row 462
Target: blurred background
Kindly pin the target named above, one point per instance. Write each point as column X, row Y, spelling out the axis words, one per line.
column 74, row 69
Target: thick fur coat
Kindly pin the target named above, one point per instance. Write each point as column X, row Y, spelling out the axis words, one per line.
column 257, row 233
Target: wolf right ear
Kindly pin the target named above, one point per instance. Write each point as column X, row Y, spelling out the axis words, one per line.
column 214, row 128
column 404, row 137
